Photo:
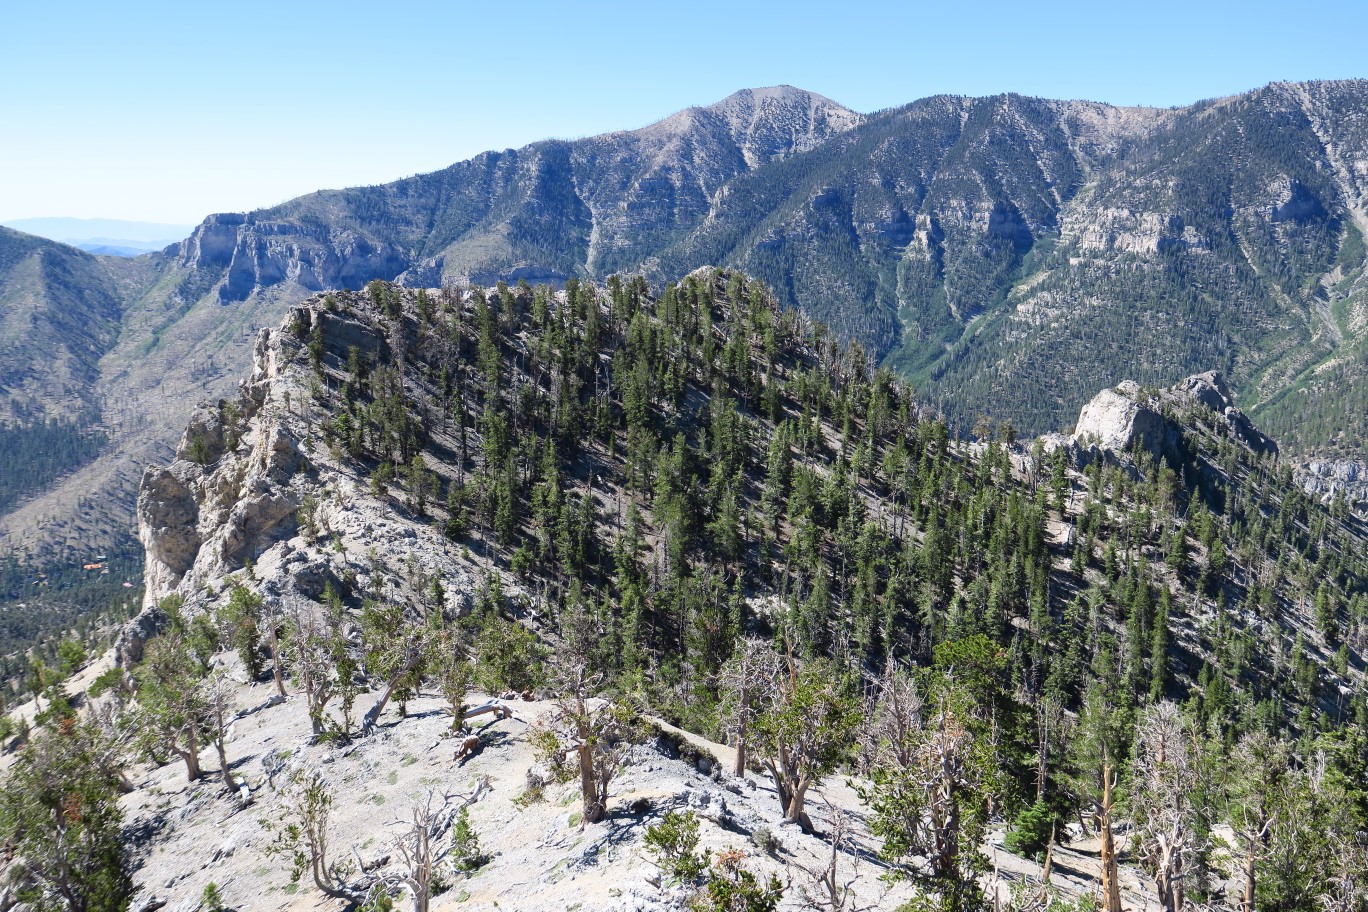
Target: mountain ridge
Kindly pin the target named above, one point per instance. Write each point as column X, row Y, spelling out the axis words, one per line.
column 1010, row 255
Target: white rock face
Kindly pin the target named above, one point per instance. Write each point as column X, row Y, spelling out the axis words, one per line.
column 1126, row 416
column 1329, row 477
column 230, row 492
column 1113, row 421
column 243, row 471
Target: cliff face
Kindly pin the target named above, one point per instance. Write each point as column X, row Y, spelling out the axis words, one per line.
column 231, row 491
column 1127, row 417
column 245, row 489
column 254, row 253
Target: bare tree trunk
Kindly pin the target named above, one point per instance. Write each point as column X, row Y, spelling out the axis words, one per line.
column 595, row 808
column 780, row 786
column 1111, row 889
column 1247, row 901
column 276, row 671
column 372, row 715
column 223, row 761
column 1047, row 867
column 794, row 811
column 740, row 769
column 191, row 757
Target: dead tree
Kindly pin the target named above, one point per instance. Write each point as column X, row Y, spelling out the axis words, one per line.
column 1111, row 887
column 832, row 887
column 932, row 770
column 892, row 717
column 416, row 846
column 273, row 619
column 747, row 680
column 218, row 698
column 1165, row 779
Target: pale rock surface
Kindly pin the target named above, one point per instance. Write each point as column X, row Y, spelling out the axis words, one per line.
column 1326, row 477
column 238, row 499
column 1118, row 419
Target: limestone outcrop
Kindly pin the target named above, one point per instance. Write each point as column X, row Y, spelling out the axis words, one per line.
column 1331, row 477
column 251, row 484
column 1126, row 417
column 260, row 252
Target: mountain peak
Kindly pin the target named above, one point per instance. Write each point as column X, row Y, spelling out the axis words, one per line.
column 778, row 94
column 773, row 121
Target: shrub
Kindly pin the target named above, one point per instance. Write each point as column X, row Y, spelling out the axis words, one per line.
column 466, row 854
column 1031, row 832
column 733, row 888
column 211, row 900
column 673, row 842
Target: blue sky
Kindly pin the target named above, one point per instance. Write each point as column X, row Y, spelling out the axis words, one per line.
column 169, row 111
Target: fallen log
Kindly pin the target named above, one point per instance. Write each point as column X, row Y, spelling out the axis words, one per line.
column 493, row 706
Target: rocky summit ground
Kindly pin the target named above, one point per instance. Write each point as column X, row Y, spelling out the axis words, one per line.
column 541, row 857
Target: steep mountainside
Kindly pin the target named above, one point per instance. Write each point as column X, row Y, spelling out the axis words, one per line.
column 765, row 479
column 59, row 313
column 1016, row 251
column 1008, row 255
column 614, row 507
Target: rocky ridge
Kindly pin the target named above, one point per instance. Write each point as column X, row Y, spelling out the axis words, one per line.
column 244, row 474
column 1128, row 417
column 218, row 513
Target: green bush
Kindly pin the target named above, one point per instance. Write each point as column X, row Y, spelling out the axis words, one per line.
column 211, row 900
column 466, row 853
column 673, row 842
column 1031, row 832
column 733, row 888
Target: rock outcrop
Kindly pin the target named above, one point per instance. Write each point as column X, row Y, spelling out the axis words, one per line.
column 230, row 493
column 1126, row 417
column 249, row 485
column 259, row 252
column 1330, row 477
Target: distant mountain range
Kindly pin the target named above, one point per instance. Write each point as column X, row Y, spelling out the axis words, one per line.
column 106, row 237
column 1010, row 255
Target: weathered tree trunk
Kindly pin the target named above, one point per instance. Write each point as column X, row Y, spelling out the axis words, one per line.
column 1048, row 866
column 794, row 812
column 276, row 671
column 493, row 706
column 1247, row 901
column 372, row 715
column 1163, row 886
column 1111, row 888
column 191, row 757
column 739, row 770
column 223, row 762
column 781, row 788
column 595, row 808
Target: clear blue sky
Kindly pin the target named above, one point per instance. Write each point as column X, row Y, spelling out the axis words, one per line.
column 168, row 111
